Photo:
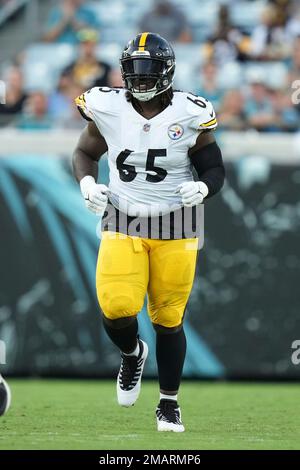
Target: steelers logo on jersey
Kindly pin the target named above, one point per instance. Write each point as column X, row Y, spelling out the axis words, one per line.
column 175, row 131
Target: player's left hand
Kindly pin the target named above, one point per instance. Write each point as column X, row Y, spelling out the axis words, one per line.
column 192, row 192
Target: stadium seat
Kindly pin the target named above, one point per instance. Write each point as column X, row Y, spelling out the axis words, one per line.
column 43, row 63
column 110, row 53
column 204, row 14
column 230, row 75
column 247, row 14
column 188, row 60
column 108, row 34
column 117, row 13
column 273, row 74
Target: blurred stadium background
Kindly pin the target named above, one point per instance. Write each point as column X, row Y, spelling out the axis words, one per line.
column 244, row 56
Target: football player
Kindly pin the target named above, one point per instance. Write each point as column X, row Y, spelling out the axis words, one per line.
column 5, row 396
column 154, row 136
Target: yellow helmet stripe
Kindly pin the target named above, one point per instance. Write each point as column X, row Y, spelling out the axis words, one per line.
column 142, row 42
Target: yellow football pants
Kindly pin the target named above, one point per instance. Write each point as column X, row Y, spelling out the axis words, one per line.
column 129, row 267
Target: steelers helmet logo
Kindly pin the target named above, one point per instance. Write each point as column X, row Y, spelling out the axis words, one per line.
column 175, row 131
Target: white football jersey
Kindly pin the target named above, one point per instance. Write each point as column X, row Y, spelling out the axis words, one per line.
column 148, row 158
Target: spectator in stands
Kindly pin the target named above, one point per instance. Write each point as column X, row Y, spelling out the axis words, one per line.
column 293, row 24
column 209, row 84
column 269, row 39
column 115, row 78
column 259, row 107
column 283, row 8
column 294, row 73
column 71, row 119
column 166, row 20
column 231, row 115
column 15, row 95
column 87, row 71
column 69, row 17
column 61, row 101
column 35, row 115
column 227, row 43
column 74, row 121
column 286, row 117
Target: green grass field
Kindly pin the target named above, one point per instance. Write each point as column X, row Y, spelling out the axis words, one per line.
column 84, row 415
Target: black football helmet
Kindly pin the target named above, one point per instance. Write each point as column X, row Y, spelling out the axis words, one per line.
column 147, row 66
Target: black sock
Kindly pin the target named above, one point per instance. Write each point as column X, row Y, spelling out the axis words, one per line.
column 170, row 355
column 122, row 335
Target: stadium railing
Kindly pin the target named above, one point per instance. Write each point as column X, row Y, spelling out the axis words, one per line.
column 279, row 148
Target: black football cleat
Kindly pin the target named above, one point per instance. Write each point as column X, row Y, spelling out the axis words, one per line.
column 168, row 416
column 130, row 375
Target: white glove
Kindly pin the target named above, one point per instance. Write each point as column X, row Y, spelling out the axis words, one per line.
column 95, row 195
column 192, row 192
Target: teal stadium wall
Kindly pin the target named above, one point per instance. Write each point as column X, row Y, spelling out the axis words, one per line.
column 243, row 314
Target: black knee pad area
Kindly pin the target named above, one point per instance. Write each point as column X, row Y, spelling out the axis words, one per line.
column 163, row 330
column 119, row 323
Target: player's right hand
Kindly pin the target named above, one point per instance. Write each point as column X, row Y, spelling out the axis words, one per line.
column 95, row 195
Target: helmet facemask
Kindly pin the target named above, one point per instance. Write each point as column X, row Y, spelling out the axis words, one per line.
column 146, row 77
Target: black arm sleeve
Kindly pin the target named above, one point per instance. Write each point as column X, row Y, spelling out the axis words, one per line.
column 209, row 166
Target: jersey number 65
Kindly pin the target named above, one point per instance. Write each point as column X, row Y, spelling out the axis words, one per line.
column 127, row 172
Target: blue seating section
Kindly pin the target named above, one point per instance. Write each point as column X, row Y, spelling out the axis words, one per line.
column 119, row 21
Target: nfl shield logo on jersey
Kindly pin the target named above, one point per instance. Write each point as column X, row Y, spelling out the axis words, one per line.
column 146, row 127
column 175, row 131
